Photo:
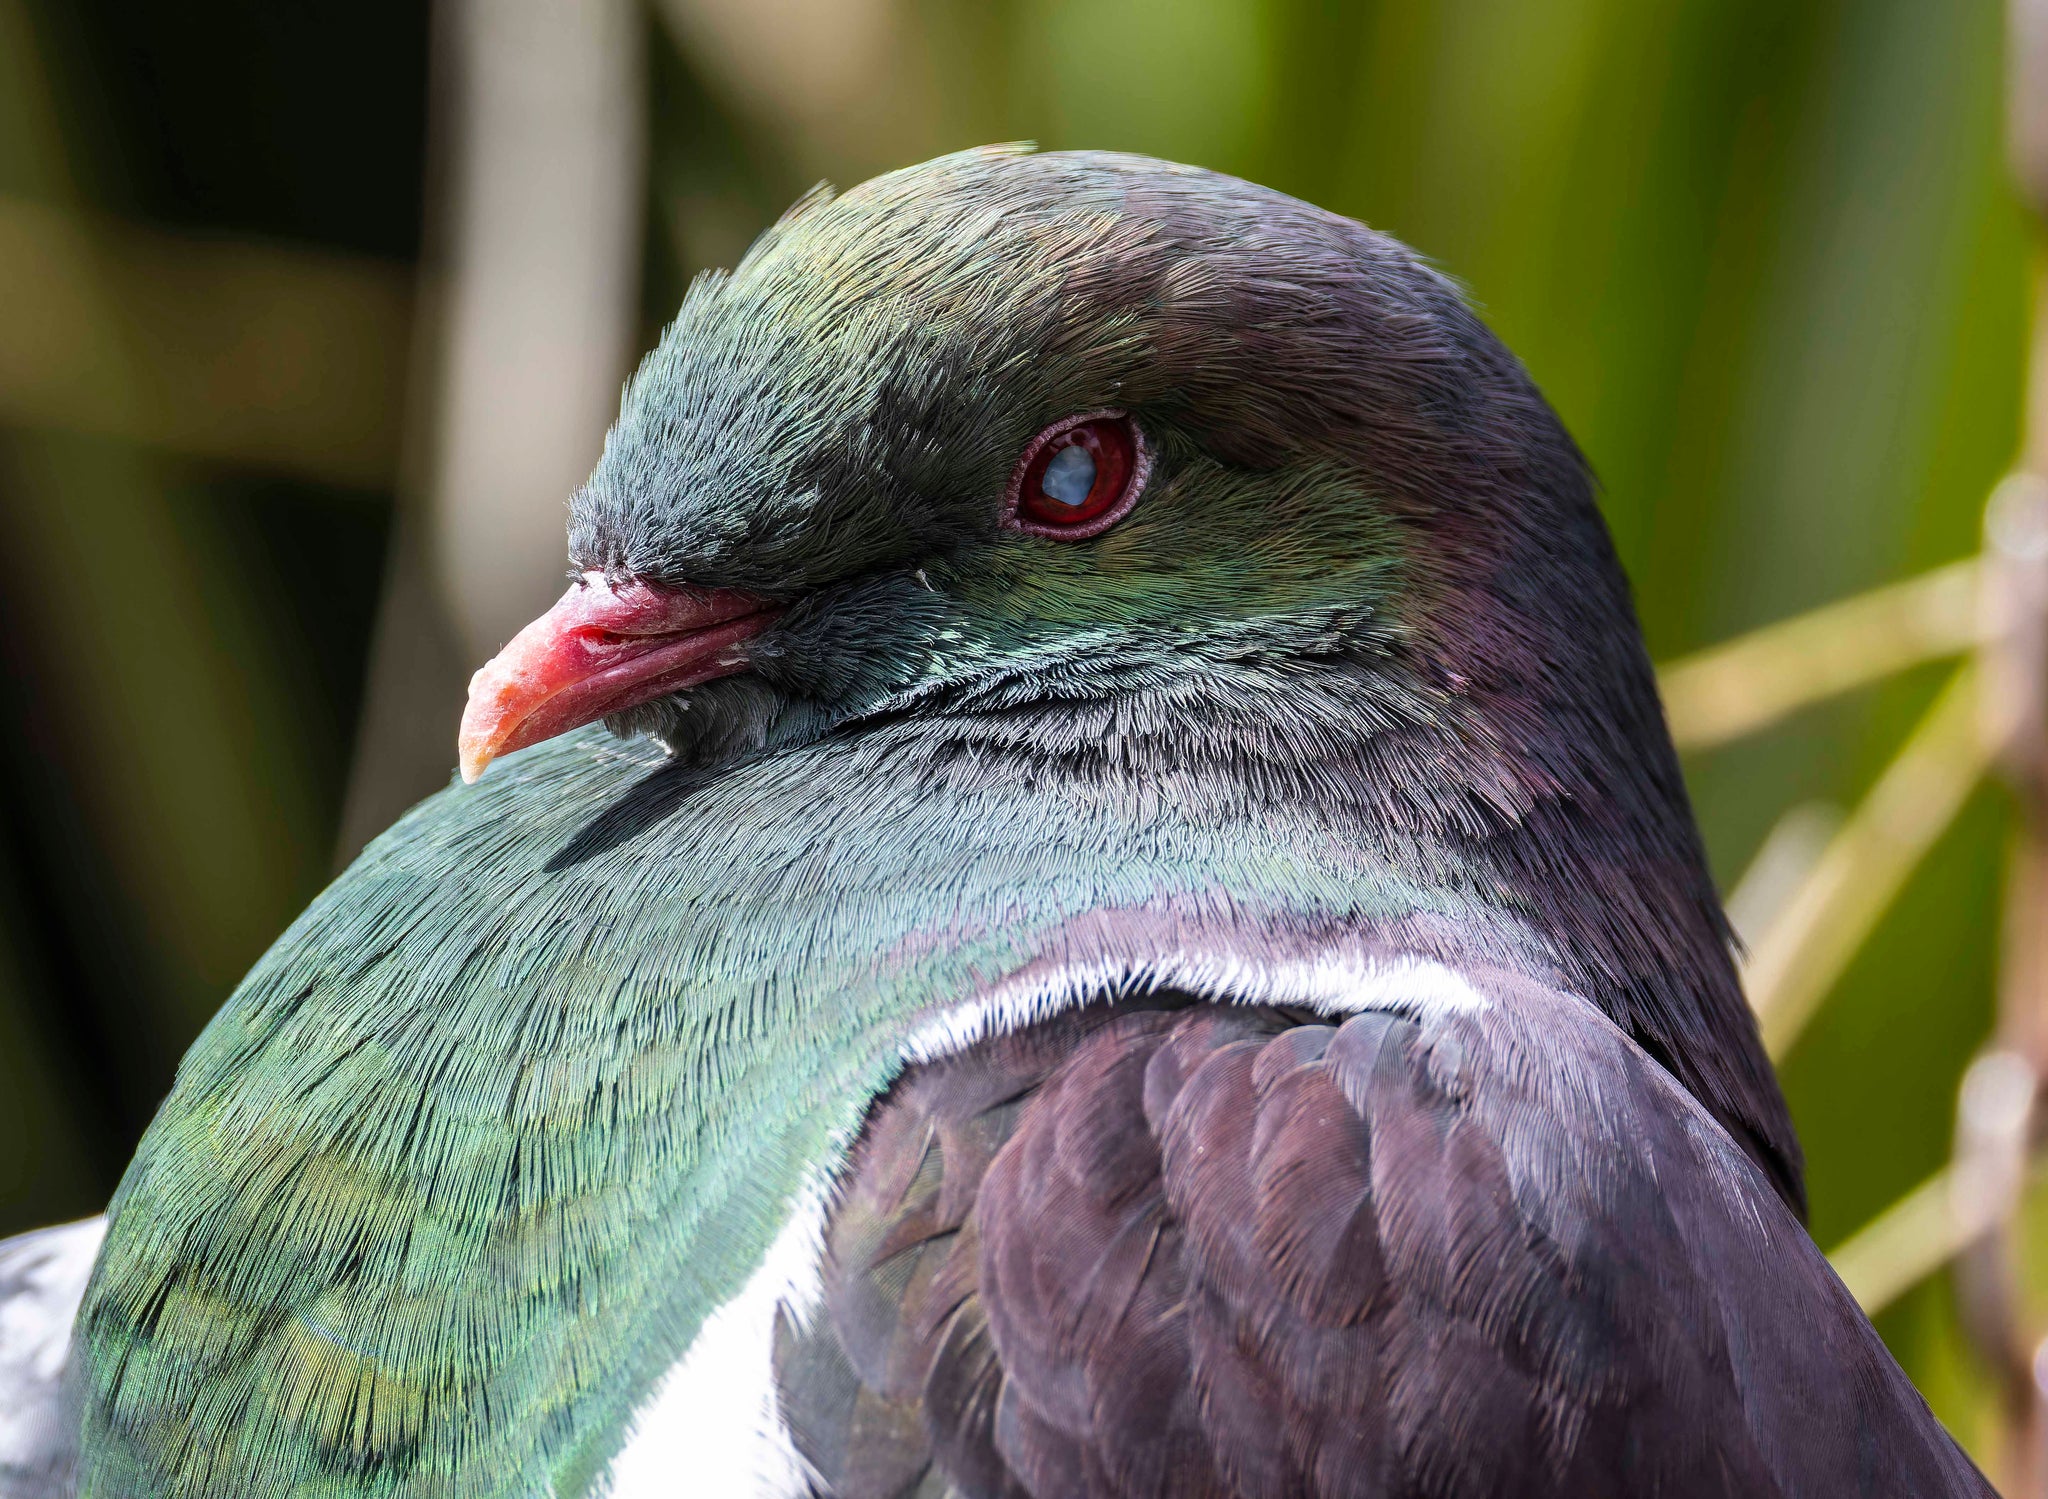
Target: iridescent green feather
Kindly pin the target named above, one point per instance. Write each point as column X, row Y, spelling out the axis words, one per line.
column 458, row 1172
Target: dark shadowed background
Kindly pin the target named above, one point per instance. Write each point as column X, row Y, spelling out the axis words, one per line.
column 312, row 313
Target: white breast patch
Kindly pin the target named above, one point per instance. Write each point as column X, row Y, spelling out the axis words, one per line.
column 714, row 1426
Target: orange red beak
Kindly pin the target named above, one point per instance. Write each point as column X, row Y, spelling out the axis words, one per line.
column 604, row 648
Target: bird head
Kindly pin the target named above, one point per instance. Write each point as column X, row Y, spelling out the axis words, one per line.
column 1009, row 425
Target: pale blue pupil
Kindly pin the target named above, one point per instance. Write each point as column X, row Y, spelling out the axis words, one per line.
column 1069, row 476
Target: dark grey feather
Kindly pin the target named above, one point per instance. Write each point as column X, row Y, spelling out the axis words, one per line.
column 1190, row 1250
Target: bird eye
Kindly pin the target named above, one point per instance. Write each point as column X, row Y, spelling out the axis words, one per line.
column 1078, row 477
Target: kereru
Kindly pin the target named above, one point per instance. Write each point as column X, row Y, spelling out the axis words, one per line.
column 1137, row 932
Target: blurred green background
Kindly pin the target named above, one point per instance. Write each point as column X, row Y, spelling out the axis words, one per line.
column 1762, row 254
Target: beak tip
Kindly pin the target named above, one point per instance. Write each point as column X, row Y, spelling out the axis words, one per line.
column 473, row 754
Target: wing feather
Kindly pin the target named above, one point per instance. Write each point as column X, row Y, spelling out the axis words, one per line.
column 1194, row 1250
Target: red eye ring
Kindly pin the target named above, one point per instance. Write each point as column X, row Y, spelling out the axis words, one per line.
column 1111, row 460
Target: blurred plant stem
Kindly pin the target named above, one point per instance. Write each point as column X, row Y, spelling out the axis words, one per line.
column 1779, row 867
column 278, row 358
column 1908, row 1242
column 1991, row 1278
column 533, row 274
column 807, row 72
column 1799, row 955
column 1749, row 683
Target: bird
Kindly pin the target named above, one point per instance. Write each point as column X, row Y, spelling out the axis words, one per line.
column 1085, row 896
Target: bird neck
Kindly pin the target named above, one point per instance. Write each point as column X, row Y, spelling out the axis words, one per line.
column 1545, row 777
column 1490, row 737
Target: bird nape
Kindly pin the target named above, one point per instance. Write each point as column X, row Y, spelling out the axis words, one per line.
column 1130, row 928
